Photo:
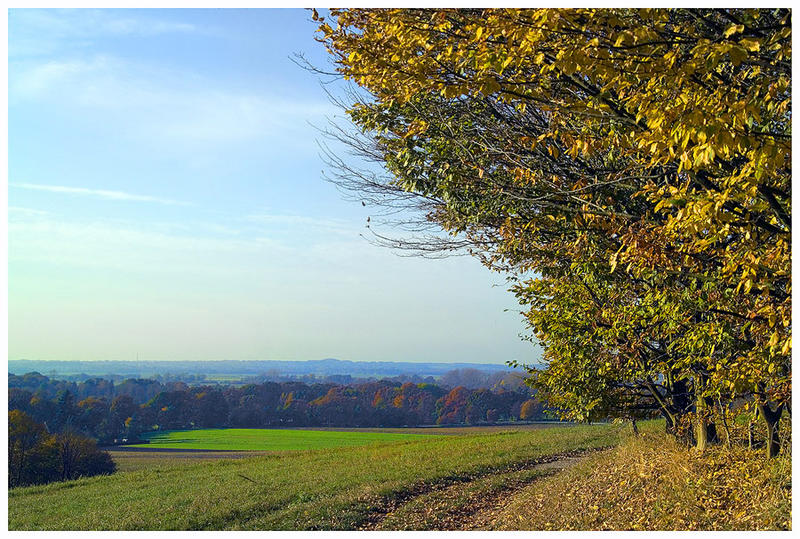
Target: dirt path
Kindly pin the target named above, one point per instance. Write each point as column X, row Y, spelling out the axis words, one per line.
column 483, row 512
column 467, row 502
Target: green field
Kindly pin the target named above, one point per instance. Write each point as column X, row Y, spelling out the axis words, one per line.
column 336, row 488
column 266, row 439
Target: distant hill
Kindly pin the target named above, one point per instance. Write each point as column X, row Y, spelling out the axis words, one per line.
column 322, row 367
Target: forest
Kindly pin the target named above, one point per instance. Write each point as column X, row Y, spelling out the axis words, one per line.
column 110, row 412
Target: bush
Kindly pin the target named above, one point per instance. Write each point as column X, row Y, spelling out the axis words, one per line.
column 36, row 457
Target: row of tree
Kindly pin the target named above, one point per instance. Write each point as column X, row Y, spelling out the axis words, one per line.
column 140, row 389
column 637, row 162
column 177, row 406
column 143, row 389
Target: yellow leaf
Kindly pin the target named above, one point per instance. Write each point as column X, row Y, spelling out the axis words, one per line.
column 734, row 29
column 737, row 55
column 773, row 340
column 750, row 44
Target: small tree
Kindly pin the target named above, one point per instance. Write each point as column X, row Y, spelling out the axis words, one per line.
column 530, row 409
column 30, row 459
column 37, row 457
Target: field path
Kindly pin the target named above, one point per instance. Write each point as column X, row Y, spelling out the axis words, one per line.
column 466, row 502
column 483, row 511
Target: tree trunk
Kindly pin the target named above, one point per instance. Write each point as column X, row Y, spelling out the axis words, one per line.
column 635, row 428
column 705, row 432
column 771, row 418
column 669, row 423
column 723, row 413
column 700, row 434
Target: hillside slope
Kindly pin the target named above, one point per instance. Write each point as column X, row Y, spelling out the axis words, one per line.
column 325, row 489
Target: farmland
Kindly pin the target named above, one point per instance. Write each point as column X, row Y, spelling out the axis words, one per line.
column 321, row 489
column 266, row 439
column 155, row 455
column 573, row 477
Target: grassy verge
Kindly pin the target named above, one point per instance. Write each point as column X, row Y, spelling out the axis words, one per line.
column 324, row 489
column 652, row 483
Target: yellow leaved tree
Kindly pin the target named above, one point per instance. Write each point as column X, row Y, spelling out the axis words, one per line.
column 638, row 160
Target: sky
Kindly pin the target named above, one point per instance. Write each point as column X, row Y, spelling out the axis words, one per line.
column 166, row 201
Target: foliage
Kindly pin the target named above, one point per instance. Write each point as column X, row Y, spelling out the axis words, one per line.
column 177, row 406
column 529, row 409
column 36, row 456
column 32, row 457
column 637, row 160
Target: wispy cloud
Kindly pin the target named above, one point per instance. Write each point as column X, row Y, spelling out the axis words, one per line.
column 29, row 211
column 150, row 102
column 97, row 193
column 37, row 80
column 92, row 22
column 42, row 31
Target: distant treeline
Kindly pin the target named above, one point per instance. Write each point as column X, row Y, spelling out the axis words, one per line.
column 111, row 411
column 187, row 371
column 467, row 377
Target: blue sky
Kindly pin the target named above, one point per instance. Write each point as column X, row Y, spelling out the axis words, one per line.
column 166, row 199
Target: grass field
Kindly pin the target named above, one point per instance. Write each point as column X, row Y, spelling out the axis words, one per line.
column 523, row 480
column 266, row 439
column 156, row 457
column 459, row 430
column 138, row 459
column 325, row 489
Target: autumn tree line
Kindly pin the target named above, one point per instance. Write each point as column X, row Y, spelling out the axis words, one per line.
column 629, row 170
column 109, row 412
column 55, row 426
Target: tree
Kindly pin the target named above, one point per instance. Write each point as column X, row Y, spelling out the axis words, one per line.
column 339, row 407
column 36, row 456
column 66, row 410
column 27, row 463
column 78, row 456
column 19, row 399
column 92, row 418
column 641, row 156
column 210, row 408
column 122, row 411
column 453, row 406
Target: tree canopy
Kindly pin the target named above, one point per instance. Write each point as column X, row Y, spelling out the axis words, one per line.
column 637, row 160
